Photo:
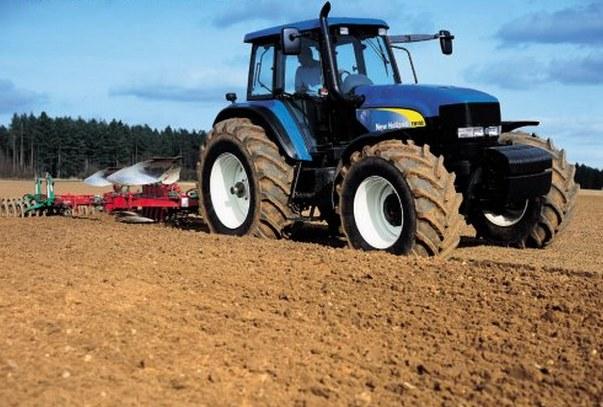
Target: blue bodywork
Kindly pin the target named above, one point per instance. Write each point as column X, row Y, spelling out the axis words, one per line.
column 314, row 24
column 293, row 132
column 425, row 99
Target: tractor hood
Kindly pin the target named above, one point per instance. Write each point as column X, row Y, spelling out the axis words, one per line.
column 425, row 99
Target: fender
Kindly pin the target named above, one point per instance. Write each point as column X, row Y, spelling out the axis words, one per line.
column 278, row 123
column 510, row 126
column 376, row 136
column 369, row 139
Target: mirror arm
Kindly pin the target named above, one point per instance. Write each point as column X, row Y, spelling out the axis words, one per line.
column 403, row 39
column 412, row 65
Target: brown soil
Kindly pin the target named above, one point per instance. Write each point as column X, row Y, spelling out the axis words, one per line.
column 16, row 189
column 97, row 312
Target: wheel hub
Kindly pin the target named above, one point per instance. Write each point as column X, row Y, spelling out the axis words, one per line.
column 378, row 212
column 392, row 210
column 238, row 189
column 229, row 190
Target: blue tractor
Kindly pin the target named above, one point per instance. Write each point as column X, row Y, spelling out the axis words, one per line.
column 330, row 125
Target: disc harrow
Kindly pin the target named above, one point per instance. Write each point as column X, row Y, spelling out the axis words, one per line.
column 14, row 208
column 160, row 198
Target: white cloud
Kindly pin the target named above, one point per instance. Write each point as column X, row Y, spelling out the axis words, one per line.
column 17, row 100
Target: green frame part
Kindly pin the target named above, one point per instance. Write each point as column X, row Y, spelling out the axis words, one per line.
column 38, row 200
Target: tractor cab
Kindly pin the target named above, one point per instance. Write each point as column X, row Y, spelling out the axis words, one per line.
column 362, row 56
column 312, row 91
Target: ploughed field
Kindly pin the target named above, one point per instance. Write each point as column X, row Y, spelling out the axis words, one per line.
column 97, row 312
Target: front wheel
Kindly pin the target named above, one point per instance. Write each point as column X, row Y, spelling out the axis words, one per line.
column 558, row 205
column 509, row 224
column 398, row 197
column 378, row 211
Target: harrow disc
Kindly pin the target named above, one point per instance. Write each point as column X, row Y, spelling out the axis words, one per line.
column 20, row 210
column 26, row 206
column 12, row 211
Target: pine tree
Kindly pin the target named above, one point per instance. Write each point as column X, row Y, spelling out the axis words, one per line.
column 66, row 147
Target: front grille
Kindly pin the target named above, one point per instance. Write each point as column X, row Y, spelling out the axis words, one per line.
column 470, row 115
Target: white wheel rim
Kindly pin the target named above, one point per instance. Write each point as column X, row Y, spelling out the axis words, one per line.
column 508, row 216
column 377, row 224
column 229, row 190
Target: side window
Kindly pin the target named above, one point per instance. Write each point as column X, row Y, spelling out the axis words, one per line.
column 303, row 72
column 263, row 68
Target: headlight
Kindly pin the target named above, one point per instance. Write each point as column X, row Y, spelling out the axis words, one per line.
column 493, row 131
column 470, row 132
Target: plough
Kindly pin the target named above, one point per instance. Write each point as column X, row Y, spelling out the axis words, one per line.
column 161, row 199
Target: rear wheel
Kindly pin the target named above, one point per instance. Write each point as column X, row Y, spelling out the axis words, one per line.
column 244, row 181
column 398, row 197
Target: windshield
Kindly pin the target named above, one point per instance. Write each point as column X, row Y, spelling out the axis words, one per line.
column 363, row 61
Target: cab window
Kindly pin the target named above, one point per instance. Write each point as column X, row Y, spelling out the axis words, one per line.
column 303, row 72
column 363, row 60
column 262, row 80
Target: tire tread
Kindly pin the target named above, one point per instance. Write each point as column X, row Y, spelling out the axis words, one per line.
column 558, row 205
column 272, row 174
column 436, row 201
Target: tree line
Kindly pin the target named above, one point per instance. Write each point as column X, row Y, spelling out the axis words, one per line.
column 588, row 177
column 66, row 147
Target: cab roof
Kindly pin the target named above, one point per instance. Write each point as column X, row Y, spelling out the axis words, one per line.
column 308, row 25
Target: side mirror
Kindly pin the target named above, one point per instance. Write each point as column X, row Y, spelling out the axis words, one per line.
column 446, row 42
column 231, row 97
column 290, row 41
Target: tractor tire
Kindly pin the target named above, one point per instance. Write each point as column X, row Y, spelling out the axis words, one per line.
column 510, row 225
column 244, row 182
column 423, row 220
column 558, row 205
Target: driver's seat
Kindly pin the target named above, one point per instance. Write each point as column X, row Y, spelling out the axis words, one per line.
column 307, row 77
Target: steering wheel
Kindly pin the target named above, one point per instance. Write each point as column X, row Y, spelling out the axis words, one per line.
column 343, row 72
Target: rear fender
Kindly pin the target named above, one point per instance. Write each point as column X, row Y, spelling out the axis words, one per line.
column 278, row 123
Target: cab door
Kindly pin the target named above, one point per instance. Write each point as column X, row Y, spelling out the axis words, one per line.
column 303, row 91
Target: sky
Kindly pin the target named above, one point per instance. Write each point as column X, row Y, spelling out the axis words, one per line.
column 171, row 62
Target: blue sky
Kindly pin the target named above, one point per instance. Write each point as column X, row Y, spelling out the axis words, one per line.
column 170, row 63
